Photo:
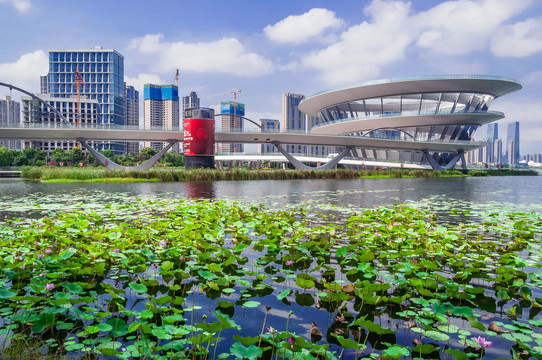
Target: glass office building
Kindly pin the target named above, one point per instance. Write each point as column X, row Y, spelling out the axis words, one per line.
column 102, row 71
column 131, row 113
column 269, row 125
column 512, row 143
column 10, row 113
column 190, row 101
column 293, row 120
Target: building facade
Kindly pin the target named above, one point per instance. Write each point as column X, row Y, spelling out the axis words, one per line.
column 293, row 120
column 131, row 112
column 10, row 114
column 101, row 74
column 102, row 71
column 36, row 112
column 444, row 110
column 44, row 84
column 161, row 110
column 493, row 131
column 512, row 143
column 232, row 113
column 190, row 101
column 268, row 125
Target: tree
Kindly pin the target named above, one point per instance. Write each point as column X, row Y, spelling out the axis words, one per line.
column 58, row 154
column 108, row 153
column 77, row 155
column 6, row 156
column 34, row 156
column 147, row 153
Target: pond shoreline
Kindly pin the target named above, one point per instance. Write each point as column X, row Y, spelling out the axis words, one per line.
column 54, row 174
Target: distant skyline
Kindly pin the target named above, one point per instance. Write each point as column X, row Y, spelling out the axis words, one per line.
column 269, row 48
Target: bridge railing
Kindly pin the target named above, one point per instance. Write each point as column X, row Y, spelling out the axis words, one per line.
column 109, row 127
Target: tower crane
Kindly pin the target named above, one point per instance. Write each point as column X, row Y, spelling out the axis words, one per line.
column 234, row 92
column 177, row 78
column 78, row 82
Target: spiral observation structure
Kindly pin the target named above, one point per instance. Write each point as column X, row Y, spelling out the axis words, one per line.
column 445, row 108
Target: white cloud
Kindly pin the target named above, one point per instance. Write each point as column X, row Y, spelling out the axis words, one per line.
column 299, row 28
column 463, row 26
column 26, row 71
column 392, row 29
column 363, row 49
column 226, row 55
column 21, row 5
column 534, row 77
column 518, row 40
column 139, row 82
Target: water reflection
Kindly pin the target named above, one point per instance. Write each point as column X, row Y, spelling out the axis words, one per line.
column 200, row 190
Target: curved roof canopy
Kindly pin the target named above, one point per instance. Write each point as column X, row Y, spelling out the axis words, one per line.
column 479, row 84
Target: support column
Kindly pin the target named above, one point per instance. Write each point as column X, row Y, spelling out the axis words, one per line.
column 300, row 166
column 111, row 165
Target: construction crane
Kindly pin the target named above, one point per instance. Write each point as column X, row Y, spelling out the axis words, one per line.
column 234, row 92
column 78, row 82
column 177, row 78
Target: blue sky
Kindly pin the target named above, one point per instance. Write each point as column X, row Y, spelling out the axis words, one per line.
column 266, row 48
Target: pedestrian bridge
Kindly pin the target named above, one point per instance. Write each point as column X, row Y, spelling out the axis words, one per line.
column 86, row 132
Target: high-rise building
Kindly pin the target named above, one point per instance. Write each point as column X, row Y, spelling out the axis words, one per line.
column 293, row 119
column 493, row 131
column 102, row 71
column 35, row 111
column 131, row 96
column 44, row 84
column 161, row 106
column 10, row 113
column 190, row 101
column 512, row 143
column 231, row 113
column 102, row 75
column 268, row 125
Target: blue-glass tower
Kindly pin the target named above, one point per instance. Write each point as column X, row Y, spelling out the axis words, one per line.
column 512, row 143
column 102, row 71
column 492, row 131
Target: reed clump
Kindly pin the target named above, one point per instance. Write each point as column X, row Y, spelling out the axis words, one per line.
column 181, row 175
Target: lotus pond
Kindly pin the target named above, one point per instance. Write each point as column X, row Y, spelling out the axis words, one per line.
column 216, row 279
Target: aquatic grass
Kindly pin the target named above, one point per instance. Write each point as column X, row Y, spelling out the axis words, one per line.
column 139, row 276
column 171, row 175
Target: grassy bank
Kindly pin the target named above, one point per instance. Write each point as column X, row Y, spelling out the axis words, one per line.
column 102, row 174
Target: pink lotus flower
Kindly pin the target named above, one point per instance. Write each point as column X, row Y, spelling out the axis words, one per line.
column 289, row 262
column 483, row 343
column 291, row 340
column 49, row 286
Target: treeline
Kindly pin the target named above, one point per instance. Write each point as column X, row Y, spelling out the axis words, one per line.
column 76, row 157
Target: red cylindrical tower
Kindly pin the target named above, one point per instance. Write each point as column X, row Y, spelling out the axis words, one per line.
column 199, row 138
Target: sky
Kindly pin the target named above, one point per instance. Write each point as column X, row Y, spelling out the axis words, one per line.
column 266, row 48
